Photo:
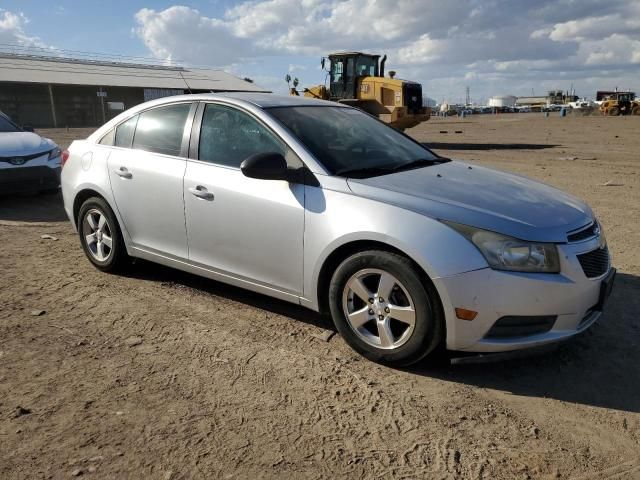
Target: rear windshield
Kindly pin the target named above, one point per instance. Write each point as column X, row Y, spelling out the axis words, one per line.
column 345, row 139
column 7, row 126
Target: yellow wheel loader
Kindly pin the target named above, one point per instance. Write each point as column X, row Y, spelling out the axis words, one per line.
column 620, row 103
column 357, row 79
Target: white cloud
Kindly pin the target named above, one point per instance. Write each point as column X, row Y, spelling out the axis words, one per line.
column 594, row 28
column 423, row 50
column 182, row 34
column 12, row 31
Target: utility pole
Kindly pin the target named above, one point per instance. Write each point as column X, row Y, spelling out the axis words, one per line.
column 53, row 108
column 102, row 94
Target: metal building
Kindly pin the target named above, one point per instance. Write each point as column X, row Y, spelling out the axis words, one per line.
column 64, row 92
column 502, row 101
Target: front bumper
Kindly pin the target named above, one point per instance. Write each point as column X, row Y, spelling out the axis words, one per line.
column 571, row 297
column 31, row 177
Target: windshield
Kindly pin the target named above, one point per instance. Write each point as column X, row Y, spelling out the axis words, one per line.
column 367, row 66
column 7, row 126
column 347, row 141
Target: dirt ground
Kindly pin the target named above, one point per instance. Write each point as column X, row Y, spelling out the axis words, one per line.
column 161, row 374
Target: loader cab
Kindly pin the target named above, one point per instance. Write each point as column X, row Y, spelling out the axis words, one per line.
column 345, row 68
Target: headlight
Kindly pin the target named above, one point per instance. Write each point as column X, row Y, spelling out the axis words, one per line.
column 55, row 153
column 507, row 253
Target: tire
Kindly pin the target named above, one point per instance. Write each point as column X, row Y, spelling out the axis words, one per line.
column 388, row 335
column 636, row 110
column 95, row 212
column 614, row 112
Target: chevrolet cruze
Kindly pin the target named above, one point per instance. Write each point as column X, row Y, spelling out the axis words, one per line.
column 320, row 204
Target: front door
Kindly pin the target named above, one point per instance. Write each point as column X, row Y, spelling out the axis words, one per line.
column 245, row 228
column 146, row 170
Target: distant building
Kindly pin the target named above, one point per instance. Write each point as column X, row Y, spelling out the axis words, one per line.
column 538, row 101
column 63, row 92
column 502, row 101
column 553, row 97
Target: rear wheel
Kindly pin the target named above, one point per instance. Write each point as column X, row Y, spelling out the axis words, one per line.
column 384, row 310
column 614, row 111
column 100, row 236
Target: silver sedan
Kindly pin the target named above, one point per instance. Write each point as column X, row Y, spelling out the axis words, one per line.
column 320, row 204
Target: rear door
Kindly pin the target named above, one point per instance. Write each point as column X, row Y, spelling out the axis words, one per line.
column 146, row 170
column 242, row 227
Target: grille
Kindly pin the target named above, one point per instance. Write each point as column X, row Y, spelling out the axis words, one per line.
column 412, row 93
column 595, row 263
column 589, row 231
column 512, row 326
column 21, row 159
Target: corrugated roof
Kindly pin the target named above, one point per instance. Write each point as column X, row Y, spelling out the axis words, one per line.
column 33, row 69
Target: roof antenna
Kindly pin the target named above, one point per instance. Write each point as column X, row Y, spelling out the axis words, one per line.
column 185, row 81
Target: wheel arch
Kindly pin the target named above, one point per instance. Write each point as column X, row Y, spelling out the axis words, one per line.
column 90, row 191
column 342, row 252
column 81, row 197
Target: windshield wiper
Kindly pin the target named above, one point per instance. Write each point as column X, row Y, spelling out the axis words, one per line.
column 420, row 162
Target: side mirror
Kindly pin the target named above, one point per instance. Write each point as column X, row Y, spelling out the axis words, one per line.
column 265, row 166
column 322, row 63
column 27, row 128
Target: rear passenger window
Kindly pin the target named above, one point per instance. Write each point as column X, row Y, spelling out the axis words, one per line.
column 160, row 130
column 124, row 132
column 107, row 139
column 228, row 136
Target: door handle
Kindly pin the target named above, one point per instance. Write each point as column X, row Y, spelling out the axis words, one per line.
column 123, row 172
column 201, row 192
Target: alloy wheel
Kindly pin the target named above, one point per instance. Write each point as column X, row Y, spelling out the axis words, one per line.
column 97, row 235
column 378, row 308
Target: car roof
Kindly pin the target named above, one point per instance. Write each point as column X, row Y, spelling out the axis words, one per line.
column 260, row 100
column 254, row 100
column 266, row 100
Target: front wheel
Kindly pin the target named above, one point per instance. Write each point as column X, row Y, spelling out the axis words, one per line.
column 100, row 236
column 384, row 310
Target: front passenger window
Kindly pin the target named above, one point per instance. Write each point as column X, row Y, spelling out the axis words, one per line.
column 228, row 136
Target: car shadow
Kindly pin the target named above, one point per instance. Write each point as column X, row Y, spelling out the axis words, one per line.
column 487, row 146
column 598, row 368
column 178, row 279
column 31, row 207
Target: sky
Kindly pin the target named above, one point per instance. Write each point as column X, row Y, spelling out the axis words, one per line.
column 495, row 47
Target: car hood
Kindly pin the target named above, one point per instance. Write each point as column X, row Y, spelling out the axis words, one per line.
column 481, row 197
column 23, row 143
